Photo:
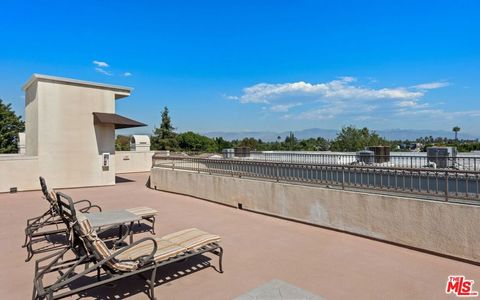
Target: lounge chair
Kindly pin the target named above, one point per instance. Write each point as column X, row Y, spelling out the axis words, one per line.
column 144, row 255
column 35, row 229
column 49, row 221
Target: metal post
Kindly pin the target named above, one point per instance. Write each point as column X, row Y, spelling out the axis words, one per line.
column 343, row 178
column 446, row 186
column 276, row 170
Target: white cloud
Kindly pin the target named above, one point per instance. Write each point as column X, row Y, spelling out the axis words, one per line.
column 431, row 85
column 100, row 70
column 232, row 97
column 127, row 74
column 345, row 99
column 324, row 113
column 342, row 88
column 438, row 113
column 283, row 107
column 101, row 64
column 407, row 103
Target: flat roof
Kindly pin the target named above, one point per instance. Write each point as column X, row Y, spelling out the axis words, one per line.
column 258, row 249
column 123, row 90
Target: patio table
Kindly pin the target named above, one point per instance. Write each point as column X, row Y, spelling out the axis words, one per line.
column 99, row 220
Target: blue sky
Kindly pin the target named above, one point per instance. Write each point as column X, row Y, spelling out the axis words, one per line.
column 258, row 65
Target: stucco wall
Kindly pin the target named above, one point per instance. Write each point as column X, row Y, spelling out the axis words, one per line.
column 133, row 161
column 68, row 144
column 31, row 120
column 18, row 171
column 446, row 228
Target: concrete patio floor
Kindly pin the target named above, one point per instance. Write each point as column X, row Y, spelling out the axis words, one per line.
column 258, row 249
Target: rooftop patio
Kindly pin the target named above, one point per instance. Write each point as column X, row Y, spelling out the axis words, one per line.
column 258, row 249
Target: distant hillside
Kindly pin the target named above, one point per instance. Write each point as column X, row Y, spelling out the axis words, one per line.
column 390, row 134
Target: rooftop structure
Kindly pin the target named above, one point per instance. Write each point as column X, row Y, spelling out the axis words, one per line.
column 69, row 135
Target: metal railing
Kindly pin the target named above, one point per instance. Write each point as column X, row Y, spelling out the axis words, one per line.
column 421, row 160
column 437, row 183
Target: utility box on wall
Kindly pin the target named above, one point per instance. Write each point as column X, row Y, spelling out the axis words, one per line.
column 140, row 143
column 105, row 161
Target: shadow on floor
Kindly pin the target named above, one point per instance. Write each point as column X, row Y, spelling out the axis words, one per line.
column 130, row 286
column 119, row 179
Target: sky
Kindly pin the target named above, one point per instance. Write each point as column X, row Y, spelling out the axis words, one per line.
column 258, row 65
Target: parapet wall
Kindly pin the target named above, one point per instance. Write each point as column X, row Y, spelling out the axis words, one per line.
column 133, row 161
column 446, row 228
column 19, row 171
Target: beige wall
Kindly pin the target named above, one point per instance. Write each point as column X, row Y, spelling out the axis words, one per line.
column 69, row 143
column 133, row 161
column 62, row 136
column 18, row 171
column 31, row 120
column 446, row 228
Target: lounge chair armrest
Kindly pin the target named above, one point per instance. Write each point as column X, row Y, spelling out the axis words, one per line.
column 143, row 259
column 88, row 207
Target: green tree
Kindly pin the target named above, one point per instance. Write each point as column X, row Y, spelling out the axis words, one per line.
column 291, row 142
column 353, row 139
column 252, row 143
column 312, row 144
column 10, row 126
column 163, row 138
column 221, row 144
column 456, row 129
column 122, row 143
column 190, row 141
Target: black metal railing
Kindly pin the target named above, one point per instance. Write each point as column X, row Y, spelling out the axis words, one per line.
column 471, row 163
column 445, row 184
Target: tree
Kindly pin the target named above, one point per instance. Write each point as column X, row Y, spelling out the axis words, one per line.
column 353, row 139
column 291, row 141
column 251, row 143
column 222, row 144
column 10, row 126
column 191, row 141
column 122, row 143
column 312, row 144
column 163, row 138
column 456, row 129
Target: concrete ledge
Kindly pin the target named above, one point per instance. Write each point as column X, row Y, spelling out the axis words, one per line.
column 133, row 161
column 19, row 171
column 446, row 228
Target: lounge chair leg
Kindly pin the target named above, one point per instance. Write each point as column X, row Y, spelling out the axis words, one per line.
column 220, row 258
column 153, row 225
column 152, row 283
column 26, row 238
column 34, row 293
column 29, row 251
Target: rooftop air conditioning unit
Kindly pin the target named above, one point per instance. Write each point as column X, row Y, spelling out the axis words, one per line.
column 382, row 153
column 228, row 153
column 140, row 143
column 366, row 156
column 242, row 152
column 443, row 157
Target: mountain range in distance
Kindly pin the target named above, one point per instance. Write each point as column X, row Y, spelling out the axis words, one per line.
column 389, row 134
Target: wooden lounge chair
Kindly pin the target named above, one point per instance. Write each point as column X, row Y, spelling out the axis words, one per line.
column 50, row 223
column 143, row 256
